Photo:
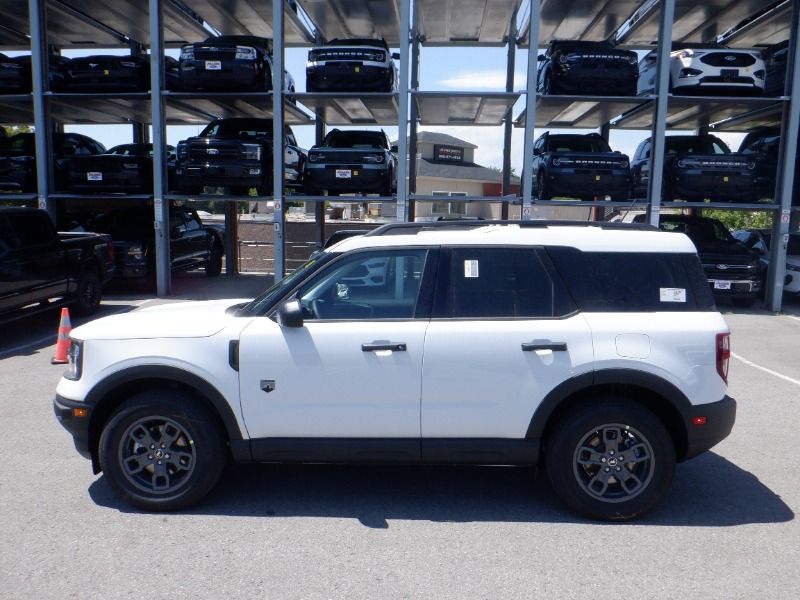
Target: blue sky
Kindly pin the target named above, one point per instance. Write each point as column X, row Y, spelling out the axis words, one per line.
column 441, row 69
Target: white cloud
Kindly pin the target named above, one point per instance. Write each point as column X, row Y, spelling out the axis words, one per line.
column 482, row 80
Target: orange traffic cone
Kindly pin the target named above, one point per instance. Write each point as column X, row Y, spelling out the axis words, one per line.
column 62, row 344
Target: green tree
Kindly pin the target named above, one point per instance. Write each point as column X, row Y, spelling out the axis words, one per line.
column 15, row 129
column 742, row 219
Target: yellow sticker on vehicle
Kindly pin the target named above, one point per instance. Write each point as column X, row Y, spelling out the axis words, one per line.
column 725, row 178
column 355, row 173
column 597, row 177
column 358, row 69
column 105, row 72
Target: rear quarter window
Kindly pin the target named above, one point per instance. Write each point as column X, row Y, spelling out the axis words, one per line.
column 628, row 282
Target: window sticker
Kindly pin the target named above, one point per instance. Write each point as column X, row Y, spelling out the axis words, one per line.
column 672, row 294
column 470, row 268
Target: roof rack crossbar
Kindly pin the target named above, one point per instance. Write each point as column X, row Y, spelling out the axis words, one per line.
column 414, row 228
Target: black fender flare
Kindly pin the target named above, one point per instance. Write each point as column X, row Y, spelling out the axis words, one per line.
column 586, row 381
column 98, row 398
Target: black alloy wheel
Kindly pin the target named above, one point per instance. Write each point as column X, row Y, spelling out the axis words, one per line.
column 88, row 294
column 611, row 459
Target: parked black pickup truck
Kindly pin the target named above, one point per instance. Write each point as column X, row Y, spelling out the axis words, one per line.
column 236, row 153
column 40, row 268
column 696, row 168
column 733, row 270
column 579, row 166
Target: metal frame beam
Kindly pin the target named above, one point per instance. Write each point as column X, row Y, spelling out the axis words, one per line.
column 786, row 180
column 160, row 204
column 277, row 139
column 508, row 125
column 660, row 122
column 413, row 119
column 43, row 131
column 402, row 125
column 530, row 108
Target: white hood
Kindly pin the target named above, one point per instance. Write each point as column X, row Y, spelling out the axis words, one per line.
column 173, row 320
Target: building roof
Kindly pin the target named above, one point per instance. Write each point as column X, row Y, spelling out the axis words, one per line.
column 459, row 170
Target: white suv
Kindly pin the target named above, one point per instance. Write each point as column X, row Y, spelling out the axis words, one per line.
column 595, row 349
column 706, row 68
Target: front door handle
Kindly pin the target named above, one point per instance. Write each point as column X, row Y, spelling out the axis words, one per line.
column 554, row 346
column 376, row 346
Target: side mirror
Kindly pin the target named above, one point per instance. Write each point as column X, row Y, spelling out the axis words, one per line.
column 394, row 149
column 537, row 151
column 290, row 314
column 651, row 58
column 396, row 55
column 541, row 58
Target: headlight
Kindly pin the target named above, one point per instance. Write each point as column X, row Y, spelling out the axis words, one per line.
column 75, row 358
column 751, row 165
column 376, row 57
column 251, row 151
column 563, row 59
column 373, row 158
column 316, row 157
column 245, row 53
column 128, row 64
column 623, row 164
column 183, row 150
column 130, row 166
column 187, row 53
column 633, row 60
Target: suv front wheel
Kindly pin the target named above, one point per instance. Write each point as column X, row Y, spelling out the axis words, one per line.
column 611, row 459
column 162, row 450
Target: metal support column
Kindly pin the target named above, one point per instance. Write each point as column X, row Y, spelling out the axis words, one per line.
column 508, row 124
column 413, row 118
column 160, row 205
column 277, row 138
column 402, row 129
column 530, row 108
column 787, row 158
column 139, row 130
column 319, row 207
column 660, row 120
column 43, row 130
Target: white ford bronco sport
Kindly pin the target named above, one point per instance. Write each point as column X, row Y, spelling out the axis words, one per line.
column 594, row 349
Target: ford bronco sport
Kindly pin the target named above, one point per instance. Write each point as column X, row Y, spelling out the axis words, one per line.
column 593, row 349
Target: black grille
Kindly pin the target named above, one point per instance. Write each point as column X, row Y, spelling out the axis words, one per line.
column 714, row 79
column 728, row 59
column 211, row 152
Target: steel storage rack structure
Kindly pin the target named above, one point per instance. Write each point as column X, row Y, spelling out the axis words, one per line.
column 519, row 25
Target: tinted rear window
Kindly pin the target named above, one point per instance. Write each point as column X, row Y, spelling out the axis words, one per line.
column 626, row 282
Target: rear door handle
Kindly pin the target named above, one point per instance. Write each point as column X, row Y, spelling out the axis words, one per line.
column 376, row 346
column 554, row 346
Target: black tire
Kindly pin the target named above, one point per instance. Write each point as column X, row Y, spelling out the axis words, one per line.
column 214, row 264
column 88, row 294
column 387, row 187
column 188, row 450
column 541, row 187
column 586, row 457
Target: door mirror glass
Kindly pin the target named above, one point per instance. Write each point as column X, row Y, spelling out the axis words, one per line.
column 290, row 314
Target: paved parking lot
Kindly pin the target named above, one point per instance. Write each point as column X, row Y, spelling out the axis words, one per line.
column 727, row 528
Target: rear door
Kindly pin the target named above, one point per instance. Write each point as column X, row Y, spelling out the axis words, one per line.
column 189, row 241
column 504, row 333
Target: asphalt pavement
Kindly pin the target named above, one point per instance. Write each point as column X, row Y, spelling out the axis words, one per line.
column 726, row 529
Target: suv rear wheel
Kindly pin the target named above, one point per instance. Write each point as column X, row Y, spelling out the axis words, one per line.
column 162, row 450
column 611, row 459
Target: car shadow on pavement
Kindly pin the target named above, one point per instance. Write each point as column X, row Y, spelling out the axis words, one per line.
column 708, row 491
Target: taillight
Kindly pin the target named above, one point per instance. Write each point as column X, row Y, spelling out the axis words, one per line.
column 723, row 354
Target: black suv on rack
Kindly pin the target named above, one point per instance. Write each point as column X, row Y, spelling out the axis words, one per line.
column 733, row 270
column 354, row 65
column 18, row 159
column 108, row 73
column 696, row 168
column 229, row 62
column 576, row 67
column 237, row 154
column 582, row 166
column 352, row 161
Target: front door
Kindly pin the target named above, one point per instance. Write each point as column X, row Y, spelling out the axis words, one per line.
column 353, row 369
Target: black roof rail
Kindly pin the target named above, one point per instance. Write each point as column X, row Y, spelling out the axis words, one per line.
column 414, row 228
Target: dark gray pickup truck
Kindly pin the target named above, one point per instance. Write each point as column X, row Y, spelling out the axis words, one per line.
column 41, row 268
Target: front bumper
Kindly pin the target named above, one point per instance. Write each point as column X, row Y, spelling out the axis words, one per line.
column 719, row 416
column 76, row 425
column 600, row 79
column 572, row 182
column 695, row 184
column 348, row 77
column 363, row 178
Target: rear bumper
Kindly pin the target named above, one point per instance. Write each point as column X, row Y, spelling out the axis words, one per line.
column 720, row 417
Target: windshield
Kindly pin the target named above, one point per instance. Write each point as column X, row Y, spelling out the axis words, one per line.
column 699, row 230
column 354, row 139
column 261, row 304
column 576, row 143
column 690, row 144
column 239, row 129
